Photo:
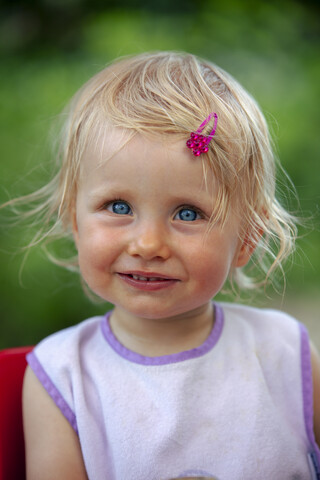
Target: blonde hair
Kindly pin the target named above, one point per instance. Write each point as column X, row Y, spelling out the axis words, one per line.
column 169, row 94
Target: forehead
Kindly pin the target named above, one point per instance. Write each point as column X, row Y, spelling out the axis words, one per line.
column 116, row 156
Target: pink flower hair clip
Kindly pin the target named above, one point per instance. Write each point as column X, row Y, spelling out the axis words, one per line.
column 199, row 143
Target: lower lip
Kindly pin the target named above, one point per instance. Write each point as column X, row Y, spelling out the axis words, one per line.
column 147, row 285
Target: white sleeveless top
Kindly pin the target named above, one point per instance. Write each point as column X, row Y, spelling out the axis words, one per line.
column 239, row 407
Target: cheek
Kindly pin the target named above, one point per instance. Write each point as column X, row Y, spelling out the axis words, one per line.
column 211, row 274
column 94, row 267
column 94, row 251
column 211, row 265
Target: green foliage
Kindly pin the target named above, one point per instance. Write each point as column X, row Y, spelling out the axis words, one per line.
column 271, row 47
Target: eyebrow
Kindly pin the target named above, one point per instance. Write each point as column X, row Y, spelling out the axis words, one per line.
column 97, row 193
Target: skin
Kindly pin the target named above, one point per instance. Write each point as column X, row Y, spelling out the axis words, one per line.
column 52, row 447
column 156, row 185
column 141, row 229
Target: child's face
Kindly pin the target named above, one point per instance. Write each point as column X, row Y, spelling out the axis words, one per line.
column 141, row 230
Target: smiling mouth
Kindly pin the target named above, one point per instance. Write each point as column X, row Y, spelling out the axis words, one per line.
column 147, row 282
column 142, row 278
column 147, row 279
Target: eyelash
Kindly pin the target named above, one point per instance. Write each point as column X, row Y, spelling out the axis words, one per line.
column 112, row 202
column 199, row 213
column 191, row 208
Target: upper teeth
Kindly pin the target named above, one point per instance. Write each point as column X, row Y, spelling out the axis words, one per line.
column 139, row 277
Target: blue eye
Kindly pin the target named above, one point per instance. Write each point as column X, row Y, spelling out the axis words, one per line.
column 188, row 215
column 120, row 208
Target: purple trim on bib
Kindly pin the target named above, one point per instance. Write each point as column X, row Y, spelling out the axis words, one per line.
column 134, row 357
column 52, row 390
column 307, row 392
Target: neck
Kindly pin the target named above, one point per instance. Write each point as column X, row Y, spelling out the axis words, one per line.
column 156, row 337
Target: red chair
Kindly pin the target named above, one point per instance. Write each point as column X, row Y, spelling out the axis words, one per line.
column 12, row 459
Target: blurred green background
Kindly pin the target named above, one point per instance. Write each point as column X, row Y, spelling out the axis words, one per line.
column 49, row 48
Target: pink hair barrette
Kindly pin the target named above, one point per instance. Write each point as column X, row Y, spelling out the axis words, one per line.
column 199, row 143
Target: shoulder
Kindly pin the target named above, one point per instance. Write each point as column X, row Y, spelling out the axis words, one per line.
column 271, row 324
column 270, row 337
column 58, row 361
column 65, row 345
column 256, row 313
column 76, row 333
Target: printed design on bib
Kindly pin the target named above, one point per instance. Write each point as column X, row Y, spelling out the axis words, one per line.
column 195, row 475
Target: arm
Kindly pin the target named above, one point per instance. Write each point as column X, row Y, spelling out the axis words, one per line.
column 52, row 447
column 315, row 362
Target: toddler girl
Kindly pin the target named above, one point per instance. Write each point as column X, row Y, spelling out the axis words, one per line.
column 167, row 184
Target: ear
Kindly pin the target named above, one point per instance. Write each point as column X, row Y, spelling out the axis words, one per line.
column 247, row 247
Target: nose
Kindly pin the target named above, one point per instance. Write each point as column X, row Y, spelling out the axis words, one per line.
column 150, row 241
